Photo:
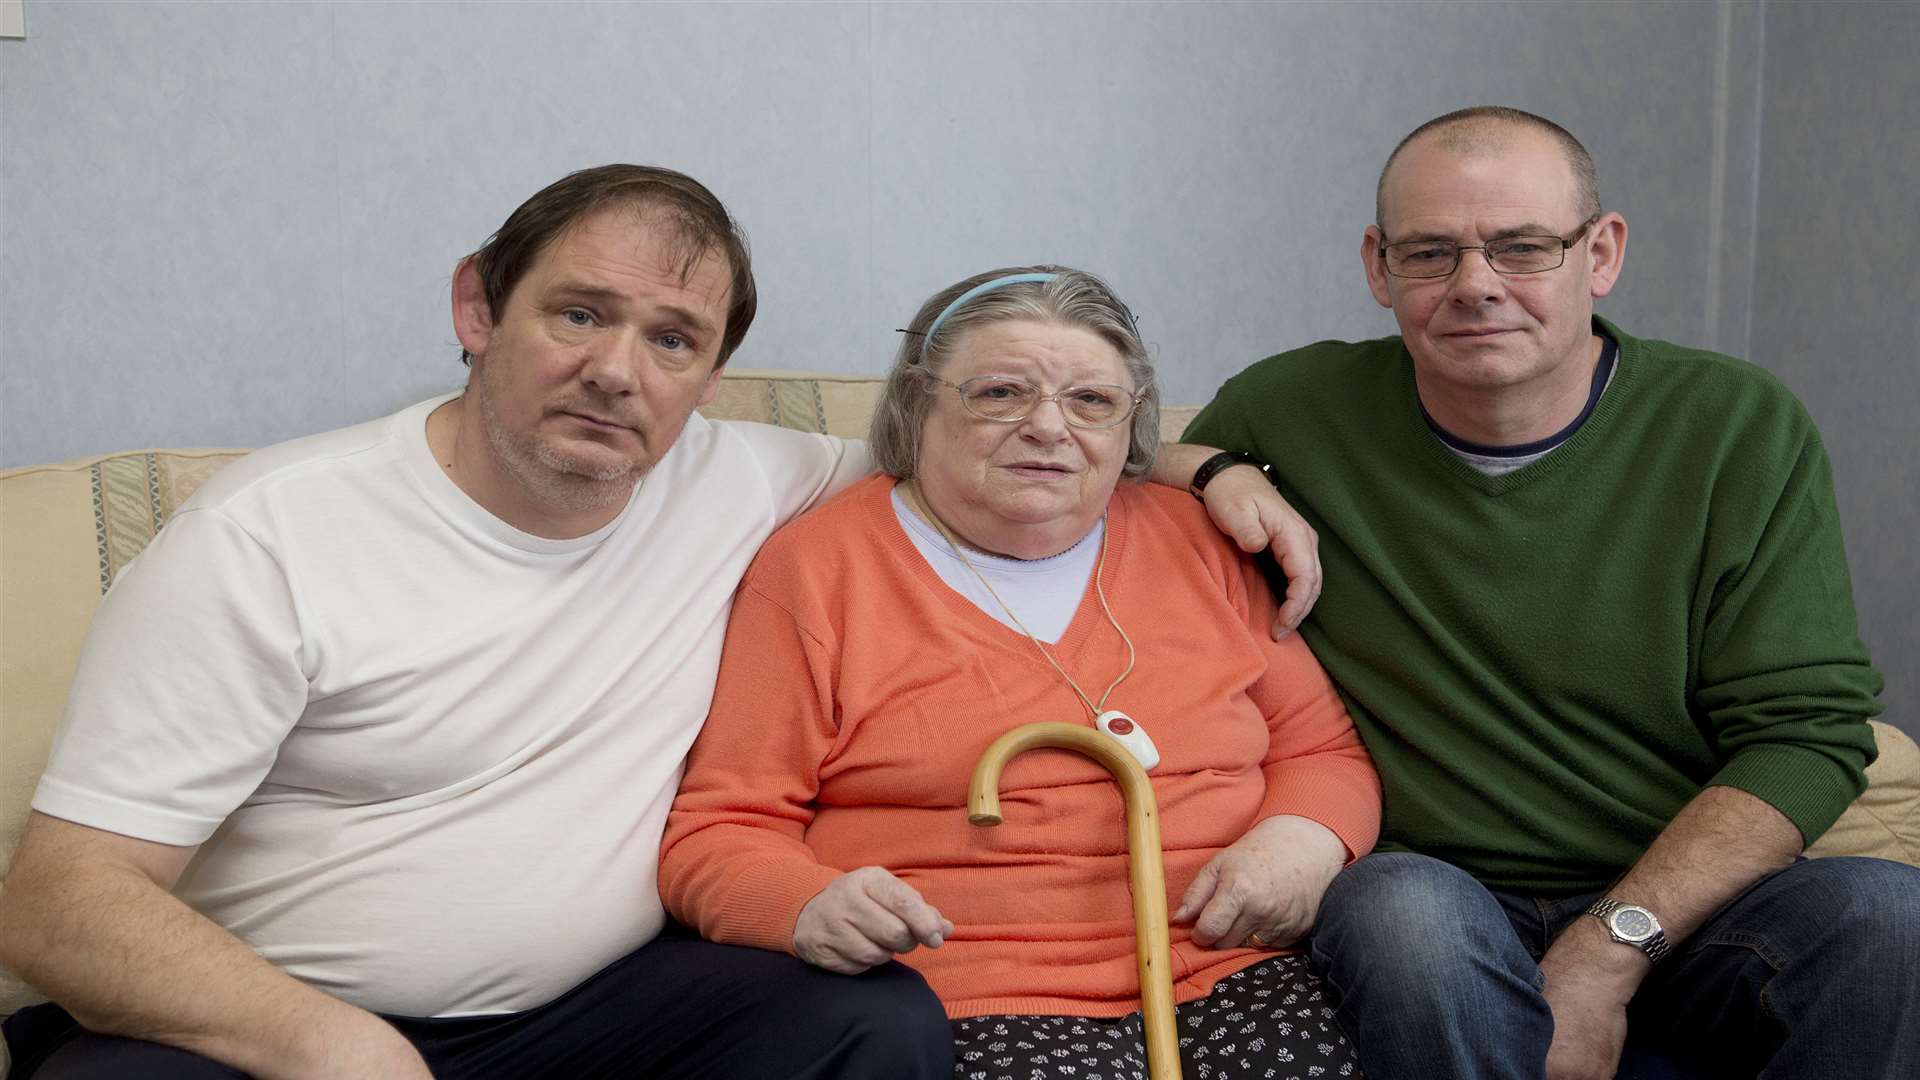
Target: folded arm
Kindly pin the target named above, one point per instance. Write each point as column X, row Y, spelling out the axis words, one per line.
column 87, row 918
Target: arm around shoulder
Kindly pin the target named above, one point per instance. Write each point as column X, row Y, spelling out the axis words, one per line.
column 1244, row 505
column 804, row 469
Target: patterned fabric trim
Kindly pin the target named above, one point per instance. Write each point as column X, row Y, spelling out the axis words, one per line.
column 126, row 509
column 100, row 529
column 796, row 404
column 180, row 476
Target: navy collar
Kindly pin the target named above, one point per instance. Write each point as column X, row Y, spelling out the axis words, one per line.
column 1602, row 371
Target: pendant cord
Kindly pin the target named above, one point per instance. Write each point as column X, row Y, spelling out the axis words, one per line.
column 921, row 506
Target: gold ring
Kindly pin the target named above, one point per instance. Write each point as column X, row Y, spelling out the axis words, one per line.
column 1254, row 940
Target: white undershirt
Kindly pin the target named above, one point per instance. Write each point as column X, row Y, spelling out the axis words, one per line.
column 1044, row 593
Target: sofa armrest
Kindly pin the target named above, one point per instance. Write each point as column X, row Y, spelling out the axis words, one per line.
column 1884, row 821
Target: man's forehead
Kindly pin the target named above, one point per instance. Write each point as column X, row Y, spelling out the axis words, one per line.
column 1509, row 180
column 637, row 242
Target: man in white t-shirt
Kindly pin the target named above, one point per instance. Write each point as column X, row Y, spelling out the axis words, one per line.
column 365, row 766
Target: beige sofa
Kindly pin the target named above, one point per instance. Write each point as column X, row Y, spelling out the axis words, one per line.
column 67, row 528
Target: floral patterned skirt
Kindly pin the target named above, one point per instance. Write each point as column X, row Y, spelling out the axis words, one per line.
column 1266, row 1022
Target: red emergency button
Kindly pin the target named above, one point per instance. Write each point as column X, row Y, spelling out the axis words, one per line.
column 1120, row 725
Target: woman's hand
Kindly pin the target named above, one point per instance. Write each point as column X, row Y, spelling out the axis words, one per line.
column 864, row 918
column 1268, row 883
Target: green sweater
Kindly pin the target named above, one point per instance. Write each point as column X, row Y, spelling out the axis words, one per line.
column 1547, row 665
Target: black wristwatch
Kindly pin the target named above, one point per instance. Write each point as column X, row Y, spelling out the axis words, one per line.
column 1224, row 459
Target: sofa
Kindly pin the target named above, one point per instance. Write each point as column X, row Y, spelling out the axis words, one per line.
column 66, row 529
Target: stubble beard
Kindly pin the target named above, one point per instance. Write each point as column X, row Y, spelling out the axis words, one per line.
column 561, row 480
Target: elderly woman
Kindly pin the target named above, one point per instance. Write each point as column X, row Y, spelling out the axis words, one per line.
column 1008, row 570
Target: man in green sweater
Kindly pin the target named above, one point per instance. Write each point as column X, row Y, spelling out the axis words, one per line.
column 1586, row 599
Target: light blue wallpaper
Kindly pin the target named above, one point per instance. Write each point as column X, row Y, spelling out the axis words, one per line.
column 233, row 223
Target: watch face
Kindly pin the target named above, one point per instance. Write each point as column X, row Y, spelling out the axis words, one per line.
column 1633, row 924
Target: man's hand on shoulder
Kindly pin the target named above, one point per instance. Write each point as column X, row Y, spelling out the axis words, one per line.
column 1245, row 506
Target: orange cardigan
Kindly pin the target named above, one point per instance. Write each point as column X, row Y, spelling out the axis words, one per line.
column 857, row 690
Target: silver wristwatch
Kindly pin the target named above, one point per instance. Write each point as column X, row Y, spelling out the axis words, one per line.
column 1631, row 924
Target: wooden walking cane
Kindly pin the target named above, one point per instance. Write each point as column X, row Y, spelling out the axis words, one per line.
column 1144, row 870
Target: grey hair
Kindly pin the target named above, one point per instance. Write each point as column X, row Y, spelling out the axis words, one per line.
column 1073, row 298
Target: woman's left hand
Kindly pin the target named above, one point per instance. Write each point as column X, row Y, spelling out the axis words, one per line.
column 1267, row 883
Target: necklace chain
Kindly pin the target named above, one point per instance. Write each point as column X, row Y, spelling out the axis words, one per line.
column 919, row 503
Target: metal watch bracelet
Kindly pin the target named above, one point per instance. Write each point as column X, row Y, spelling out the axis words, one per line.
column 1642, row 930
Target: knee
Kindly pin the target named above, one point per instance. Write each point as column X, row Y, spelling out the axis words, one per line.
column 1398, row 924
column 1410, row 906
column 891, row 1021
column 1870, row 907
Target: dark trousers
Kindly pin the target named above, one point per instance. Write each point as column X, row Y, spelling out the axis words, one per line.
column 677, row 1007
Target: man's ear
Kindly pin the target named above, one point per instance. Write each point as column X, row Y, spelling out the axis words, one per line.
column 712, row 389
column 472, row 315
column 1375, row 265
column 1608, row 252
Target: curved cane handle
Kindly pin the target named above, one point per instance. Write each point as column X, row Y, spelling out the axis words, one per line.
column 1144, row 870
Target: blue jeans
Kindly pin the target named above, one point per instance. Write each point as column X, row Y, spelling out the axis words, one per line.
column 1813, row 971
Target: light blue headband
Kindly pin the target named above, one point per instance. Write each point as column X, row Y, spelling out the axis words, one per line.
column 961, row 301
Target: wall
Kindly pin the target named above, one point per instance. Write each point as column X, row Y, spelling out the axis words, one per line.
column 1837, row 287
column 234, row 223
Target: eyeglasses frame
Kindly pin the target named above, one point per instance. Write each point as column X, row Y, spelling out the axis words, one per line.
column 1066, row 414
column 1580, row 232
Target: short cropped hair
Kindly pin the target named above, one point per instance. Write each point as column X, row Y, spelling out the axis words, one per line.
column 1480, row 127
column 694, row 218
column 1073, row 298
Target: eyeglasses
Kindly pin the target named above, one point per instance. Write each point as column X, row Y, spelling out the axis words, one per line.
column 1007, row 400
column 1507, row 255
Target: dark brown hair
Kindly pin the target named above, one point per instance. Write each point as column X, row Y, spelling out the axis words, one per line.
column 693, row 217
